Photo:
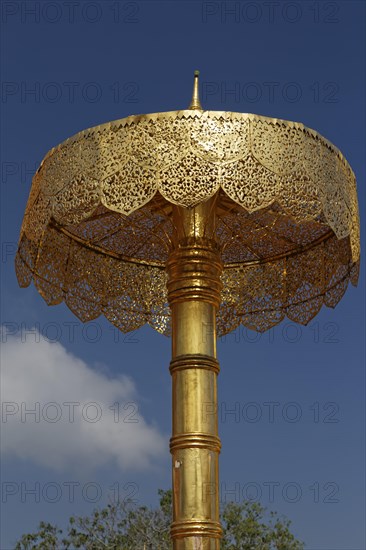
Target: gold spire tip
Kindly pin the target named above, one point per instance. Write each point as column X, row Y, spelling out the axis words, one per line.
column 195, row 103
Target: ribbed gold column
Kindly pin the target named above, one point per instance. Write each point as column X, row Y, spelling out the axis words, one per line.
column 194, row 269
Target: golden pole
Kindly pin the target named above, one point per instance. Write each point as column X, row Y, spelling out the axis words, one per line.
column 194, row 285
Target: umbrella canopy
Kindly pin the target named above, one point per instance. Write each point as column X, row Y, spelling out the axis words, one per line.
column 98, row 223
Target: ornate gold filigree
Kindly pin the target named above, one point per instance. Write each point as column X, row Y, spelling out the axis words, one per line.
column 97, row 228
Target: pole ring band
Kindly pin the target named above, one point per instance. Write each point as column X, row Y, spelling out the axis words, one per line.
column 195, row 440
column 194, row 361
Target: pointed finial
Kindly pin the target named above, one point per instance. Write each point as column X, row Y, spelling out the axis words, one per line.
column 195, row 103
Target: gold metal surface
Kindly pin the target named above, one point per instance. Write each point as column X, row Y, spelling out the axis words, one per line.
column 193, row 221
column 286, row 217
column 195, row 103
column 194, row 286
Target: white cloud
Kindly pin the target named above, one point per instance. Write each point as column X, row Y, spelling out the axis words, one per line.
column 43, row 376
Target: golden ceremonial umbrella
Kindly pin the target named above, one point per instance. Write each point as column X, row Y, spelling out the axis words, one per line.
column 195, row 222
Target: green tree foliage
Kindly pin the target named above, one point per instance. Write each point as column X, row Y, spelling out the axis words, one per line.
column 124, row 526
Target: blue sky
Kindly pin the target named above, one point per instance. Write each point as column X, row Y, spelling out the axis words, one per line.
column 296, row 438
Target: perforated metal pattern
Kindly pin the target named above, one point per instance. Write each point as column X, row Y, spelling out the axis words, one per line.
column 97, row 227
